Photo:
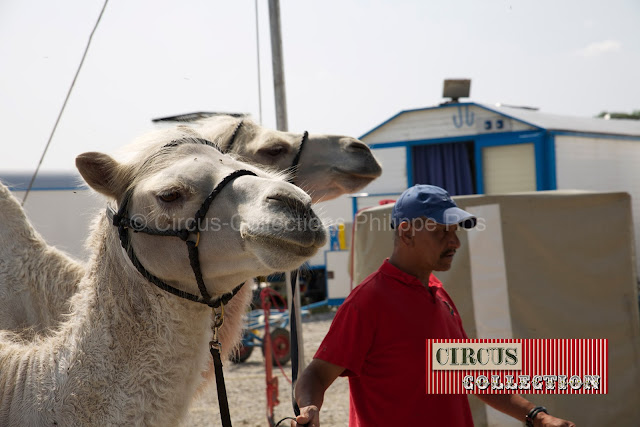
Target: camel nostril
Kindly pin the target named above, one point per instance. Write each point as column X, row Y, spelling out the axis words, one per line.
column 293, row 204
column 277, row 198
column 357, row 146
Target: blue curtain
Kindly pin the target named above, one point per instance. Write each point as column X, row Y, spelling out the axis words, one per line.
column 444, row 165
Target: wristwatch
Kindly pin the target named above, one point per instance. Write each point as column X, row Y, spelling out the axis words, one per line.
column 532, row 415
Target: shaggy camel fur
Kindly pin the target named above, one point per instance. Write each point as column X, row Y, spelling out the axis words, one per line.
column 130, row 353
column 38, row 289
column 36, row 280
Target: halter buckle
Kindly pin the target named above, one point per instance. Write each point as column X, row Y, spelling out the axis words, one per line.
column 218, row 317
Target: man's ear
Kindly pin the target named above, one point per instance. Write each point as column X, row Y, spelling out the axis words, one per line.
column 102, row 173
column 405, row 233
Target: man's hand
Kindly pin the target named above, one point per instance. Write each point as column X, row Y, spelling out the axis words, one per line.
column 546, row 420
column 309, row 416
column 310, row 388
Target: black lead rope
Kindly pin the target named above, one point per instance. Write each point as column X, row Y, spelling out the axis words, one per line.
column 292, row 314
column 225, row 416
column 215, row 349
column 294, row 349
column 294, row 342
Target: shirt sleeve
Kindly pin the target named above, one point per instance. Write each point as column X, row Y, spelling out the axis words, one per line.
column 349, row 339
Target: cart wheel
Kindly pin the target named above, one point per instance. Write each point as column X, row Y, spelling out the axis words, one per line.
column 281, row 346
column 242, row 354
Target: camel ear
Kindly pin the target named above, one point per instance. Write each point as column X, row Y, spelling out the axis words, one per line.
column 100, row 172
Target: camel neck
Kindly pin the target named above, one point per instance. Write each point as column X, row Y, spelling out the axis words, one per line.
column 124, row 352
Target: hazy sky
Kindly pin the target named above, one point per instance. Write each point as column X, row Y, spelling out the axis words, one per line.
column 349, row 65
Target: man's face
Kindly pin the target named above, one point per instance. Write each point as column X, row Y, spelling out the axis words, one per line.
column 434, row 244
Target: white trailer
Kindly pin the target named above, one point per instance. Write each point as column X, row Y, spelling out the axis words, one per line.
column 508, row 150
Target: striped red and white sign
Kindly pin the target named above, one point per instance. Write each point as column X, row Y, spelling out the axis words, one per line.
column 548, row 366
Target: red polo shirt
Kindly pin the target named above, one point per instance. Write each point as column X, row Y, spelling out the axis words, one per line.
column 378, row 336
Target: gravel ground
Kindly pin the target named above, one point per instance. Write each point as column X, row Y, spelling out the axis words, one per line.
column 246, row 390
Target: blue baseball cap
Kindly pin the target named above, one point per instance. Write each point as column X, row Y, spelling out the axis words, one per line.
column 431, row 202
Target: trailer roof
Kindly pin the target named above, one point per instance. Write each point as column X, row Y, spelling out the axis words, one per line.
column 568, row 123
column 547, row 121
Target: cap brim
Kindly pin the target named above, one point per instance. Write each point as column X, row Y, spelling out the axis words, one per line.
column 455, row 215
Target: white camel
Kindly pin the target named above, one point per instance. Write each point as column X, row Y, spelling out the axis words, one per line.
column 37, row 291
column 130, row 353
column 326, row 166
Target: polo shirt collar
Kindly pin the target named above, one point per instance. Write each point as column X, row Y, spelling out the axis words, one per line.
column 406, row 278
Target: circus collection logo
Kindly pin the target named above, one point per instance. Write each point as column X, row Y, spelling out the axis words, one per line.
column 531, row 366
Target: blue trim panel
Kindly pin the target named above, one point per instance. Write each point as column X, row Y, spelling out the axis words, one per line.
column 540, row 165
column 409, row 157
column 465, row 138
column 335, row 301
column 549, row 144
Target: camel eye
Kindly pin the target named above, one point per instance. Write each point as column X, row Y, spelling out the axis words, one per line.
column 169, row 196
column 274, row 151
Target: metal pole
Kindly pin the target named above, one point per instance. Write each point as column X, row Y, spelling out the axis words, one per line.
column 258, row 62
column 282, row 125
column 277, row 64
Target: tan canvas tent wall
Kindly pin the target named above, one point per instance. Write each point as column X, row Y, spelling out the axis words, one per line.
column 541, row 265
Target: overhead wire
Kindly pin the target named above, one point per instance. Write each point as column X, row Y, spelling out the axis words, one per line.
column 64, row 104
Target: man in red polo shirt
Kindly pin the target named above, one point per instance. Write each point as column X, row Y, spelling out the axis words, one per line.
column 378, row 336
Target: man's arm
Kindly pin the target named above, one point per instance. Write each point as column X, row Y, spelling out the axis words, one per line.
column 518, row 407
column 310, row 388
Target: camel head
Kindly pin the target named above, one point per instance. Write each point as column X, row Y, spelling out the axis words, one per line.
column 256, row 224
column 326, row 167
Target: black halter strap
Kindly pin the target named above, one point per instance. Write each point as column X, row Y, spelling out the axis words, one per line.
column 232, row 139
column 296, row 159
column 124, row 223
